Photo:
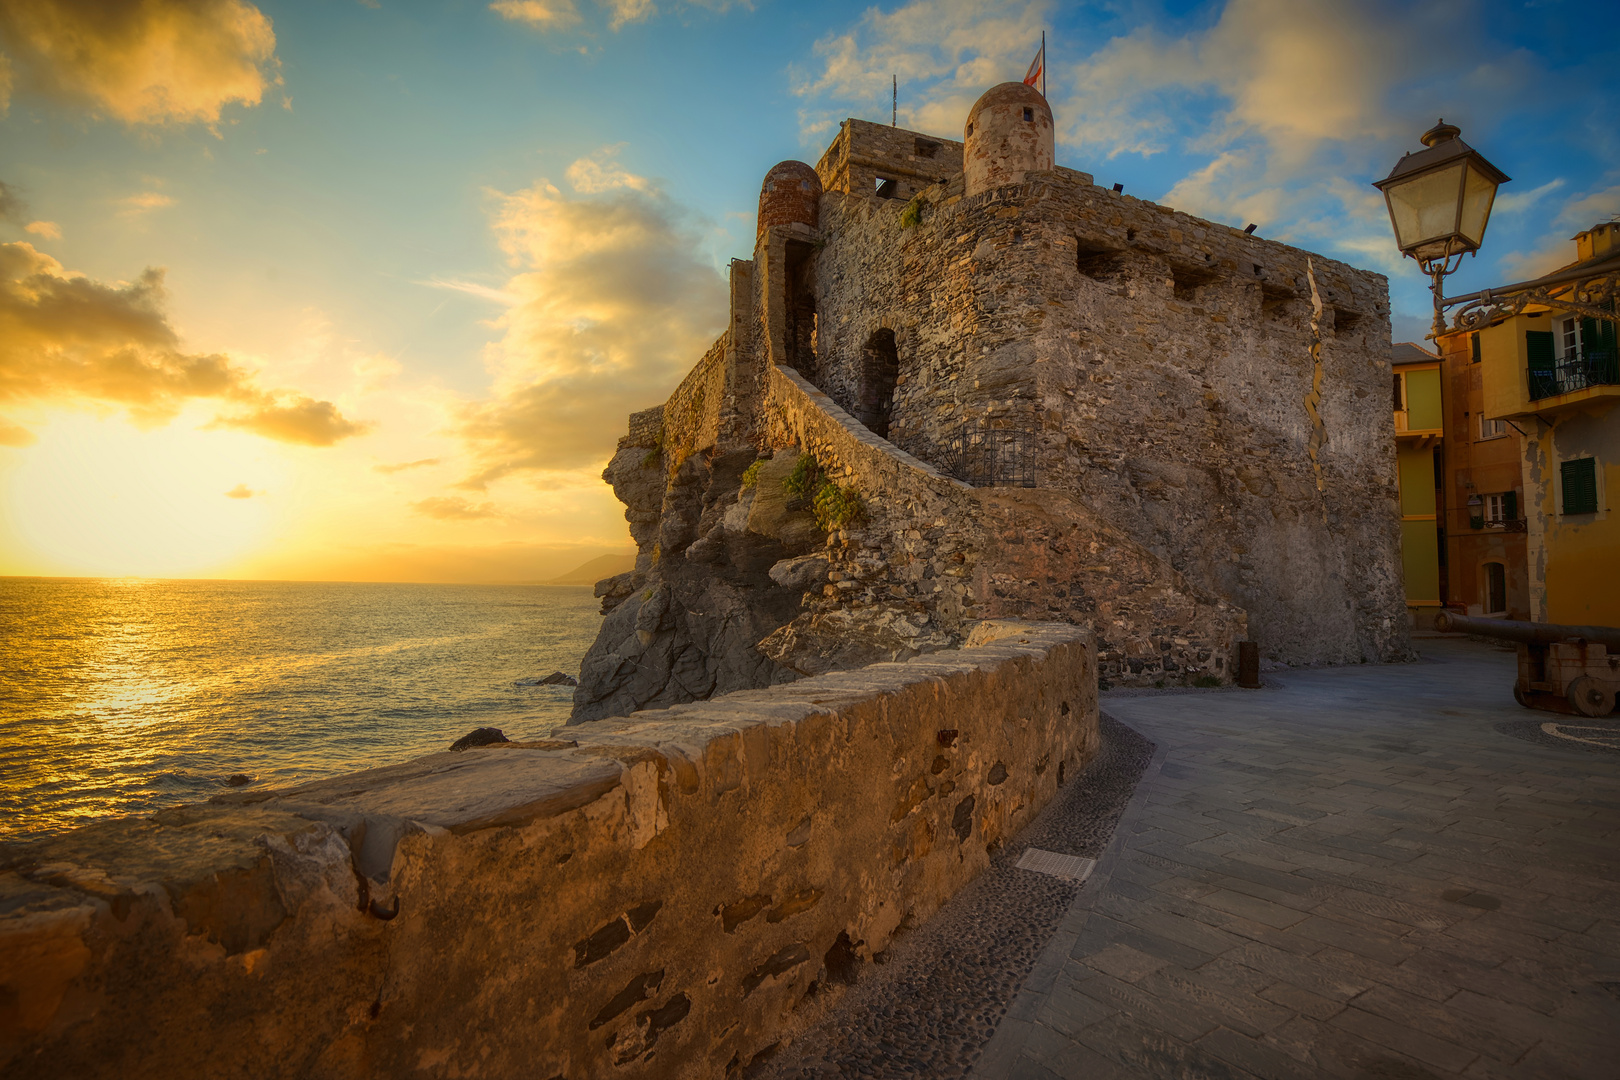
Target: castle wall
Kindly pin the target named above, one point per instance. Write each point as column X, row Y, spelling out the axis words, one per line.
column 932, row 555
column 1160, row 370
column 862, row 153
column 532, row 909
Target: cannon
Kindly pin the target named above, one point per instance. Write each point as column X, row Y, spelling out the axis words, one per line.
column 1565, row 669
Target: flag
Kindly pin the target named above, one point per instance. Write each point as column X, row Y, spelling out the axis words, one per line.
column 1033, row 77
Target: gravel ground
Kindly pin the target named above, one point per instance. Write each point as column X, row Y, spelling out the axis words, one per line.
column 930, row 1005
column 1605, row 731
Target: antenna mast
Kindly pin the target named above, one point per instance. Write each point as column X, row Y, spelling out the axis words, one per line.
column 894, row 104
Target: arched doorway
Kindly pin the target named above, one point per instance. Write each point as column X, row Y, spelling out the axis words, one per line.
column 880, row 370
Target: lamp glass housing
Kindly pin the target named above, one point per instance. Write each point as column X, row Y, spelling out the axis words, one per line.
column 1479, row 192
column 1424, row 208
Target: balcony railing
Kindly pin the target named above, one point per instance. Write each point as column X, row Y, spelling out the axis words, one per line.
column 1596, row 368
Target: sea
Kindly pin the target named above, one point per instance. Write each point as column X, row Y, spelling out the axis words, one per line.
column 121, row 697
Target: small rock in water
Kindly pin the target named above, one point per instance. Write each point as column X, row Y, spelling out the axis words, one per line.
column 483, row 736
column 556, row 678
column 240, row 779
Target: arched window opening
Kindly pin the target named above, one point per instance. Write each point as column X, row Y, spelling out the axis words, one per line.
column 1495, row 588
column 800, row 309
column 880, row 370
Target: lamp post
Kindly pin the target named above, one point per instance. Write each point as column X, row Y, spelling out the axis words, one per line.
column 1439, row 202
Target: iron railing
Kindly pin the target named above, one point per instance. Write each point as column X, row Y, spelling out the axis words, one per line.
column 1598, row 367
column 993, row 457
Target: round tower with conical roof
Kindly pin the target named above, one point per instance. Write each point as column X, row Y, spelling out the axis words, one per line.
column 1008, row 134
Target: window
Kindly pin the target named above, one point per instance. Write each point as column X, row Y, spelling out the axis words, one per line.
column 1579, row 477
column 1029, row 115
column 1473, row 347
column 1543, row 364
column 1493, row 508
column 1502, row 508
column 1495, row 588
column 1400, row 392
column 927, row 148
column 1569, row 332
column 1491, row 429
column 887, row 188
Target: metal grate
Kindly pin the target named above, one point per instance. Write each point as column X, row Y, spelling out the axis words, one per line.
column 1068, row 867
column 994, row 457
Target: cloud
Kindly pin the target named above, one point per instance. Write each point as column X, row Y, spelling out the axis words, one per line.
column 242, row 491
column 302, row 420
column 14, row 436
column 1587, row 210
column 453, row 508
column 12, row 207
column 153, row 62
column 145, row 202
column 944, row 52
column 540, row 14
column 402, row 466
column 66, row 339
column 613, row 304
column 1579, row 213
column 49, row 230
column 472, row 288
column 628, row 11
column 1513, row 202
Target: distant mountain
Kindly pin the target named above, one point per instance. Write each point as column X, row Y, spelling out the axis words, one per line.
column 604, row 566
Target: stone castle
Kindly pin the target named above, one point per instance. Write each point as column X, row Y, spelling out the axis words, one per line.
column 960, row 382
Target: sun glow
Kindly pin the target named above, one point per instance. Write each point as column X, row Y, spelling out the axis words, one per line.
column 96, row 496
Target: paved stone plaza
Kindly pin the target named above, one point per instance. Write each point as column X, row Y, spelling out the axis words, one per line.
column 1356, row 872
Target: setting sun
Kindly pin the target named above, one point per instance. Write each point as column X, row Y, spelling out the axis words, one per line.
column 98, row 496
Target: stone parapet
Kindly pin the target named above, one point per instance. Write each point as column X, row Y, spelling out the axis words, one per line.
column 934, row 554
column 655, row 896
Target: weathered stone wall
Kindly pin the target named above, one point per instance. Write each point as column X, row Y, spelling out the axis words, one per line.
column 862, row 151
column 692, row 413
column 933, row 554
column 653, row 898
column 1161, row 369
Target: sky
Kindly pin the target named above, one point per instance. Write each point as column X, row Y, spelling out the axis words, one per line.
column 365, row 289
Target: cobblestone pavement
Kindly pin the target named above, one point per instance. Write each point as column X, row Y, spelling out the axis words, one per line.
column 1351, row 873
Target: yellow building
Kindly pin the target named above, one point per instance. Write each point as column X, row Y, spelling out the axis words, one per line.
column 1419, row 437
column 1553, row 373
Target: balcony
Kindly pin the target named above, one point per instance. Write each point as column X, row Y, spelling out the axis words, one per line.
column 1598, row 367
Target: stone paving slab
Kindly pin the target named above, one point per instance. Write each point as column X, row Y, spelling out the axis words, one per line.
column 1355, row 872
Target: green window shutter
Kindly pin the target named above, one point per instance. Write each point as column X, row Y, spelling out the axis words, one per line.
column 1510, row 505
column 1473, row 345
column 1538, row 348
column 1580, row 485
column 1605, row 368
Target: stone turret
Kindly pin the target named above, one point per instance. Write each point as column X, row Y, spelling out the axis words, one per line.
column 791, row 193
column 1009, row 133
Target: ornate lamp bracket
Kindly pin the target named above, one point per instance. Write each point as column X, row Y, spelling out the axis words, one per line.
column 1590, row 297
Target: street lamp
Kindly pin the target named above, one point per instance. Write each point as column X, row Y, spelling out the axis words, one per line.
column 1439, row 201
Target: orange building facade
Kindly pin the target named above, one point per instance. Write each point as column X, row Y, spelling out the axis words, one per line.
column 1484, row 519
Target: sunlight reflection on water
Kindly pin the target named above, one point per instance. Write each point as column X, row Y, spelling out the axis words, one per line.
column 121, row 697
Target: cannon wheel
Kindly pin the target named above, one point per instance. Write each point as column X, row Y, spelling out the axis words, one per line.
column 1520, row 696
column 1590, row 697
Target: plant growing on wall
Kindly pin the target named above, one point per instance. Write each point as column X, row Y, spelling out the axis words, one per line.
column 833, row 506
column 911, row 216
column 750, row 475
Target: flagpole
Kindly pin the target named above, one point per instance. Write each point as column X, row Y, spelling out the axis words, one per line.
column 1043, row 63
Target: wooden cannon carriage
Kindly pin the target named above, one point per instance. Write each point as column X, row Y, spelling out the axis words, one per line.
column 1565, row 669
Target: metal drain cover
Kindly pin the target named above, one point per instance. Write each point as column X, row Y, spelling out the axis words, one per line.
column 1068, row 867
